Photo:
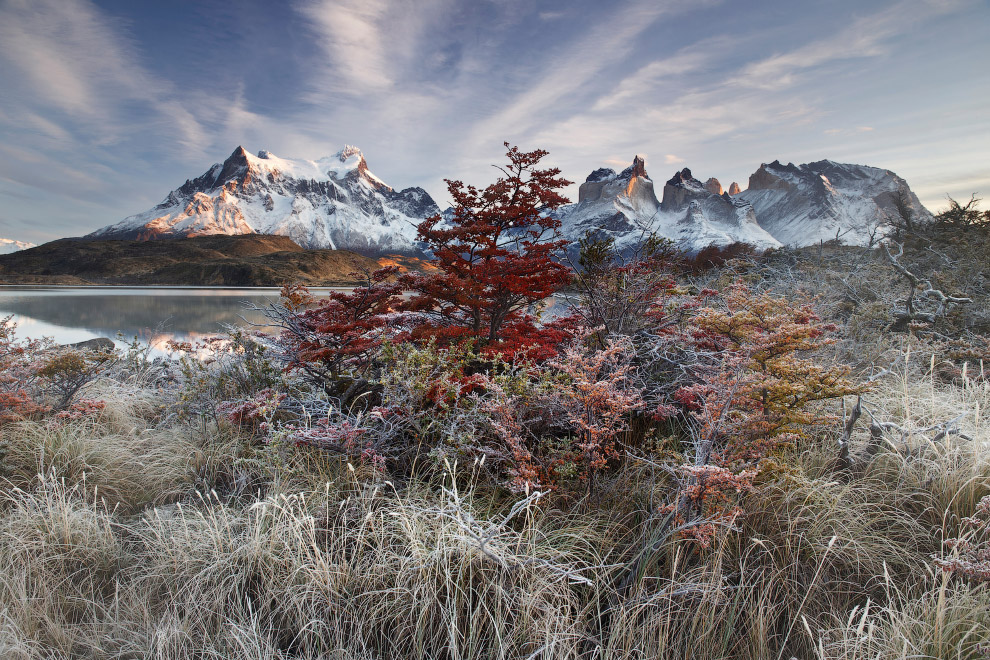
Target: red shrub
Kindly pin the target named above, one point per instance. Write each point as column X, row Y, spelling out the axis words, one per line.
column 759, row 372
column 329, row 336
column 20, row 362
column 496, row 257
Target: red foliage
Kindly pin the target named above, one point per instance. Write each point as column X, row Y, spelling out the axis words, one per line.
column 81, row 409
column 527, row 471
column 254, row 411
column 711, row 490
column 339, row 437
column 496, row 258
column 757, row 395
column 596, row 398
column 757, row 373
column 20, row 361
column 341, row 331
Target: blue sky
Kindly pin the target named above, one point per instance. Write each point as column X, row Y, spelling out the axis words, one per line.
column 106, row 106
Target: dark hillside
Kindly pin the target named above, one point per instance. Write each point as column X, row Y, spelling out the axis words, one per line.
column 251, row 260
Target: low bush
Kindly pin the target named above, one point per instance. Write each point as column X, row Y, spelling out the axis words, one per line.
column 705, row 460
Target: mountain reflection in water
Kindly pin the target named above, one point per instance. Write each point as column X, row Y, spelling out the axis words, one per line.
column 153, row 315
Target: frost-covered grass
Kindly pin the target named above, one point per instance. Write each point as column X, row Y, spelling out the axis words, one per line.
column 133, row 535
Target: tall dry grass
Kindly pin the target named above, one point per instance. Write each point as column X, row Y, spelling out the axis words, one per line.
column 128, row 537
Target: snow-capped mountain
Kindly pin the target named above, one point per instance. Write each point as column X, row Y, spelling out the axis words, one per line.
column 8, row 245
column 692, row 214
column 804, row 204
column 334, row 202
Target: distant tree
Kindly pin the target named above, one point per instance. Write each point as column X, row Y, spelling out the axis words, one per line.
column 496, row 256
column 959, row 216
column 716, row 256
column 903, row 221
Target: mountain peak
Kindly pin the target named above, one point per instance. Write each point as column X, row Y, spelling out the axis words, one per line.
column 638, row 167
column 8, row 245
column 334, row 202
column 600, row 174
column 624, row 206
column 348, row 151
column 235, row 167
column 680, row 177
column 818, row 201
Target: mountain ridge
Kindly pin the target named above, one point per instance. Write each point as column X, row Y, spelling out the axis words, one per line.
column 822, row 200
column 336, row 202
column 215, row 260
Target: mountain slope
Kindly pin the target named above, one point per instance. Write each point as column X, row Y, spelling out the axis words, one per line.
column 692, row 214
column 335, row 202
column 804, row 204
column 200, row 261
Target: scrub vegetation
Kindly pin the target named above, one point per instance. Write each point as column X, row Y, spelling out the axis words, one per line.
column 725, row 455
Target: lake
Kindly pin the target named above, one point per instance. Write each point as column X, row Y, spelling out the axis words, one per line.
column 154, row 315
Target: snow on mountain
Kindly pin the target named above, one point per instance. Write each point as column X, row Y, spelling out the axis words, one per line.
column 624, row 206
column 8, row 245
column 337, row 202
column 334, row 202
column 804, row 204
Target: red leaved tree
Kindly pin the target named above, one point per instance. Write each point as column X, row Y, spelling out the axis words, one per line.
column 496, row 256
column 333, row 340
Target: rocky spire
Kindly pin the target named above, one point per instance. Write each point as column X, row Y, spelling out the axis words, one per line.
column 713, row 186
column 234, row 168
column 734, row 188
column 639, row 166
column 680, row 177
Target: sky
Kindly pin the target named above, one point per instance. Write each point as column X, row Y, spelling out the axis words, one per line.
column 106, row 106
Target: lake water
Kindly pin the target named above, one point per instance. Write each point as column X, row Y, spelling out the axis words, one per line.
column 154, row 315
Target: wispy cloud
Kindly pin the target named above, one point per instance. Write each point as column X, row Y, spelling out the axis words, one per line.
column 375, row 47
column 707, row 95
column 649, row 79
column 350, row 34
column 76, row 69
column 96, row 123
column 865, row 37
column 848, row 131
column 609, row 43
